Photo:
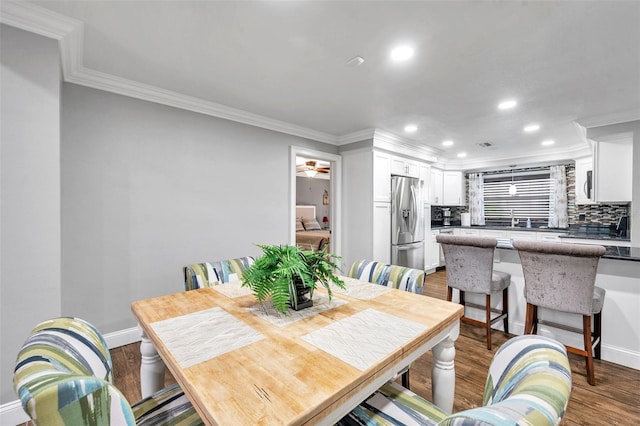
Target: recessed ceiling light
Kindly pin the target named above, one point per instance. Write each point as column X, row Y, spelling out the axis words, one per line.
column 447, row 143
column 531, row 128
column 410, row 128
column 507, row 104
column 548, row 142
column 462, row 154
column 401, row 53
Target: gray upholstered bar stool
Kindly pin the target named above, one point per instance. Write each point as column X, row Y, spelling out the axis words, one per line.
column 469, row 263
column 562, row 277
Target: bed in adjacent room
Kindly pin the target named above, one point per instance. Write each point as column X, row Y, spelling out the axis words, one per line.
column 309, row 233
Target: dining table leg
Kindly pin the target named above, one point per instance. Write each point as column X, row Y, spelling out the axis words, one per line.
column 443, row 373
column 151, row 368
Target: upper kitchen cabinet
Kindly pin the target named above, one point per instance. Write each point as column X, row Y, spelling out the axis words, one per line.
column 584, row 181
column 381, row 177
column 405, row 167
column 453, row 189
column 613, row 169
column 436, row 186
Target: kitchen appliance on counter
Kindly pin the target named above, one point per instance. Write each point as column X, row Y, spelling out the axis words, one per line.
column 465, row 219
column 622, row 226
column 446, row 216
column 407, row 222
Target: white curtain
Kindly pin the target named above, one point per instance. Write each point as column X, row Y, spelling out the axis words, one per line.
column 558, row 216
column 476, row 198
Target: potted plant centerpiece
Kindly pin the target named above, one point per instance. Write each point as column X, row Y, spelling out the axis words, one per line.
column 289, row 275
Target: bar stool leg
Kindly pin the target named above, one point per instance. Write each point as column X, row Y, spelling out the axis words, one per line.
column 505, row 309
column 528, row 321
column 488, row 319
column 586, row 324
column 597, row 334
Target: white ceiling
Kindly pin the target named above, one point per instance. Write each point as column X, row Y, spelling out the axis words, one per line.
column 286, row 61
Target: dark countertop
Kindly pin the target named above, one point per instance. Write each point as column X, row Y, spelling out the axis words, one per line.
column 582, row 232
column 591, row 233
column 622, row 253
column 612, row 252
column 502, row 228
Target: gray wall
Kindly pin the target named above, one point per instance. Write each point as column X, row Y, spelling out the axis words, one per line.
column 105, row 200
column 149, row 188
column 30, row 288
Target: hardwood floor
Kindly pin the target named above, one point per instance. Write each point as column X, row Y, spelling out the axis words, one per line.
column 615, row 400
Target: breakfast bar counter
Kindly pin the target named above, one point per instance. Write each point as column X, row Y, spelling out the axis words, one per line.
column 618, row 273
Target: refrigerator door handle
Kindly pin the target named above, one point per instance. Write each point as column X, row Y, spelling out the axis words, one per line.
column 407, row 247
column 414, row 208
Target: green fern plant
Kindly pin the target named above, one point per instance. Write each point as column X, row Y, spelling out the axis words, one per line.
column 276, row 273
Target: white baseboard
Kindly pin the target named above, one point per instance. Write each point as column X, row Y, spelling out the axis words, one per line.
column 12, row 413
column 123, row 337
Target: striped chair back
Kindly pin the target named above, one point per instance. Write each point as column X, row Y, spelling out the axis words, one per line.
column 201, row 275
column 63, row 376
column 529, row 375
column 529, row 383
column 395, row 276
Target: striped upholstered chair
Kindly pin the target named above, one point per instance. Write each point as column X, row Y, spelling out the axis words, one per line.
column 201, row 275
column 395, row 276
column 529, row 383
column 63, row 377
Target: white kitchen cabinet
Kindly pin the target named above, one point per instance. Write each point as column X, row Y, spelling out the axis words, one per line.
column 405, row 167
column 433, row 261
column 425, row 177
column 453, row 188
column 428, row 246
column 523, row 235
column 493, row 233
column 584, row 181
column 613, row 169
column 466, row 232
column 436, row 186
column 381, row 177
column 382, row 232
column 550, row 236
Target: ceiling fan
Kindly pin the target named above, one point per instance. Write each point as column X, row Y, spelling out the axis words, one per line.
column 311, row 168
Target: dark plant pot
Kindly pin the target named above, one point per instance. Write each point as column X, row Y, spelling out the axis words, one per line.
column 303, row 296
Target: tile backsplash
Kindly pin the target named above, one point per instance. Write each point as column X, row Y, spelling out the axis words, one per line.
column 591, row 214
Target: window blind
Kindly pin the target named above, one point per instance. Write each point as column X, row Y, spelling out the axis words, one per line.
column 531, row 199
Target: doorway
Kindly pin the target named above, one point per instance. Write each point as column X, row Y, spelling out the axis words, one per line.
column 325, row 164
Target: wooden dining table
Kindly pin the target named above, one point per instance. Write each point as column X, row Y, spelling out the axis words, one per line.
column 242, row 363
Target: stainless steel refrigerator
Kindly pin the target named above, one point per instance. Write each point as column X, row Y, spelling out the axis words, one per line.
column 407, row 222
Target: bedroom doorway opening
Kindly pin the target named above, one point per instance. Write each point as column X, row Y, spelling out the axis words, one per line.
column 315, row 196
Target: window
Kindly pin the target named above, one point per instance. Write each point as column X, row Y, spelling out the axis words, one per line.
column 530, row 201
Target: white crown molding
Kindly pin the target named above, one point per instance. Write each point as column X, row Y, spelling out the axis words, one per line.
column 99, row 80
column 608, row 119
column 70, row 33
column 391, row 142
column 355, row 137
column 570, row 153
column 37, row 19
